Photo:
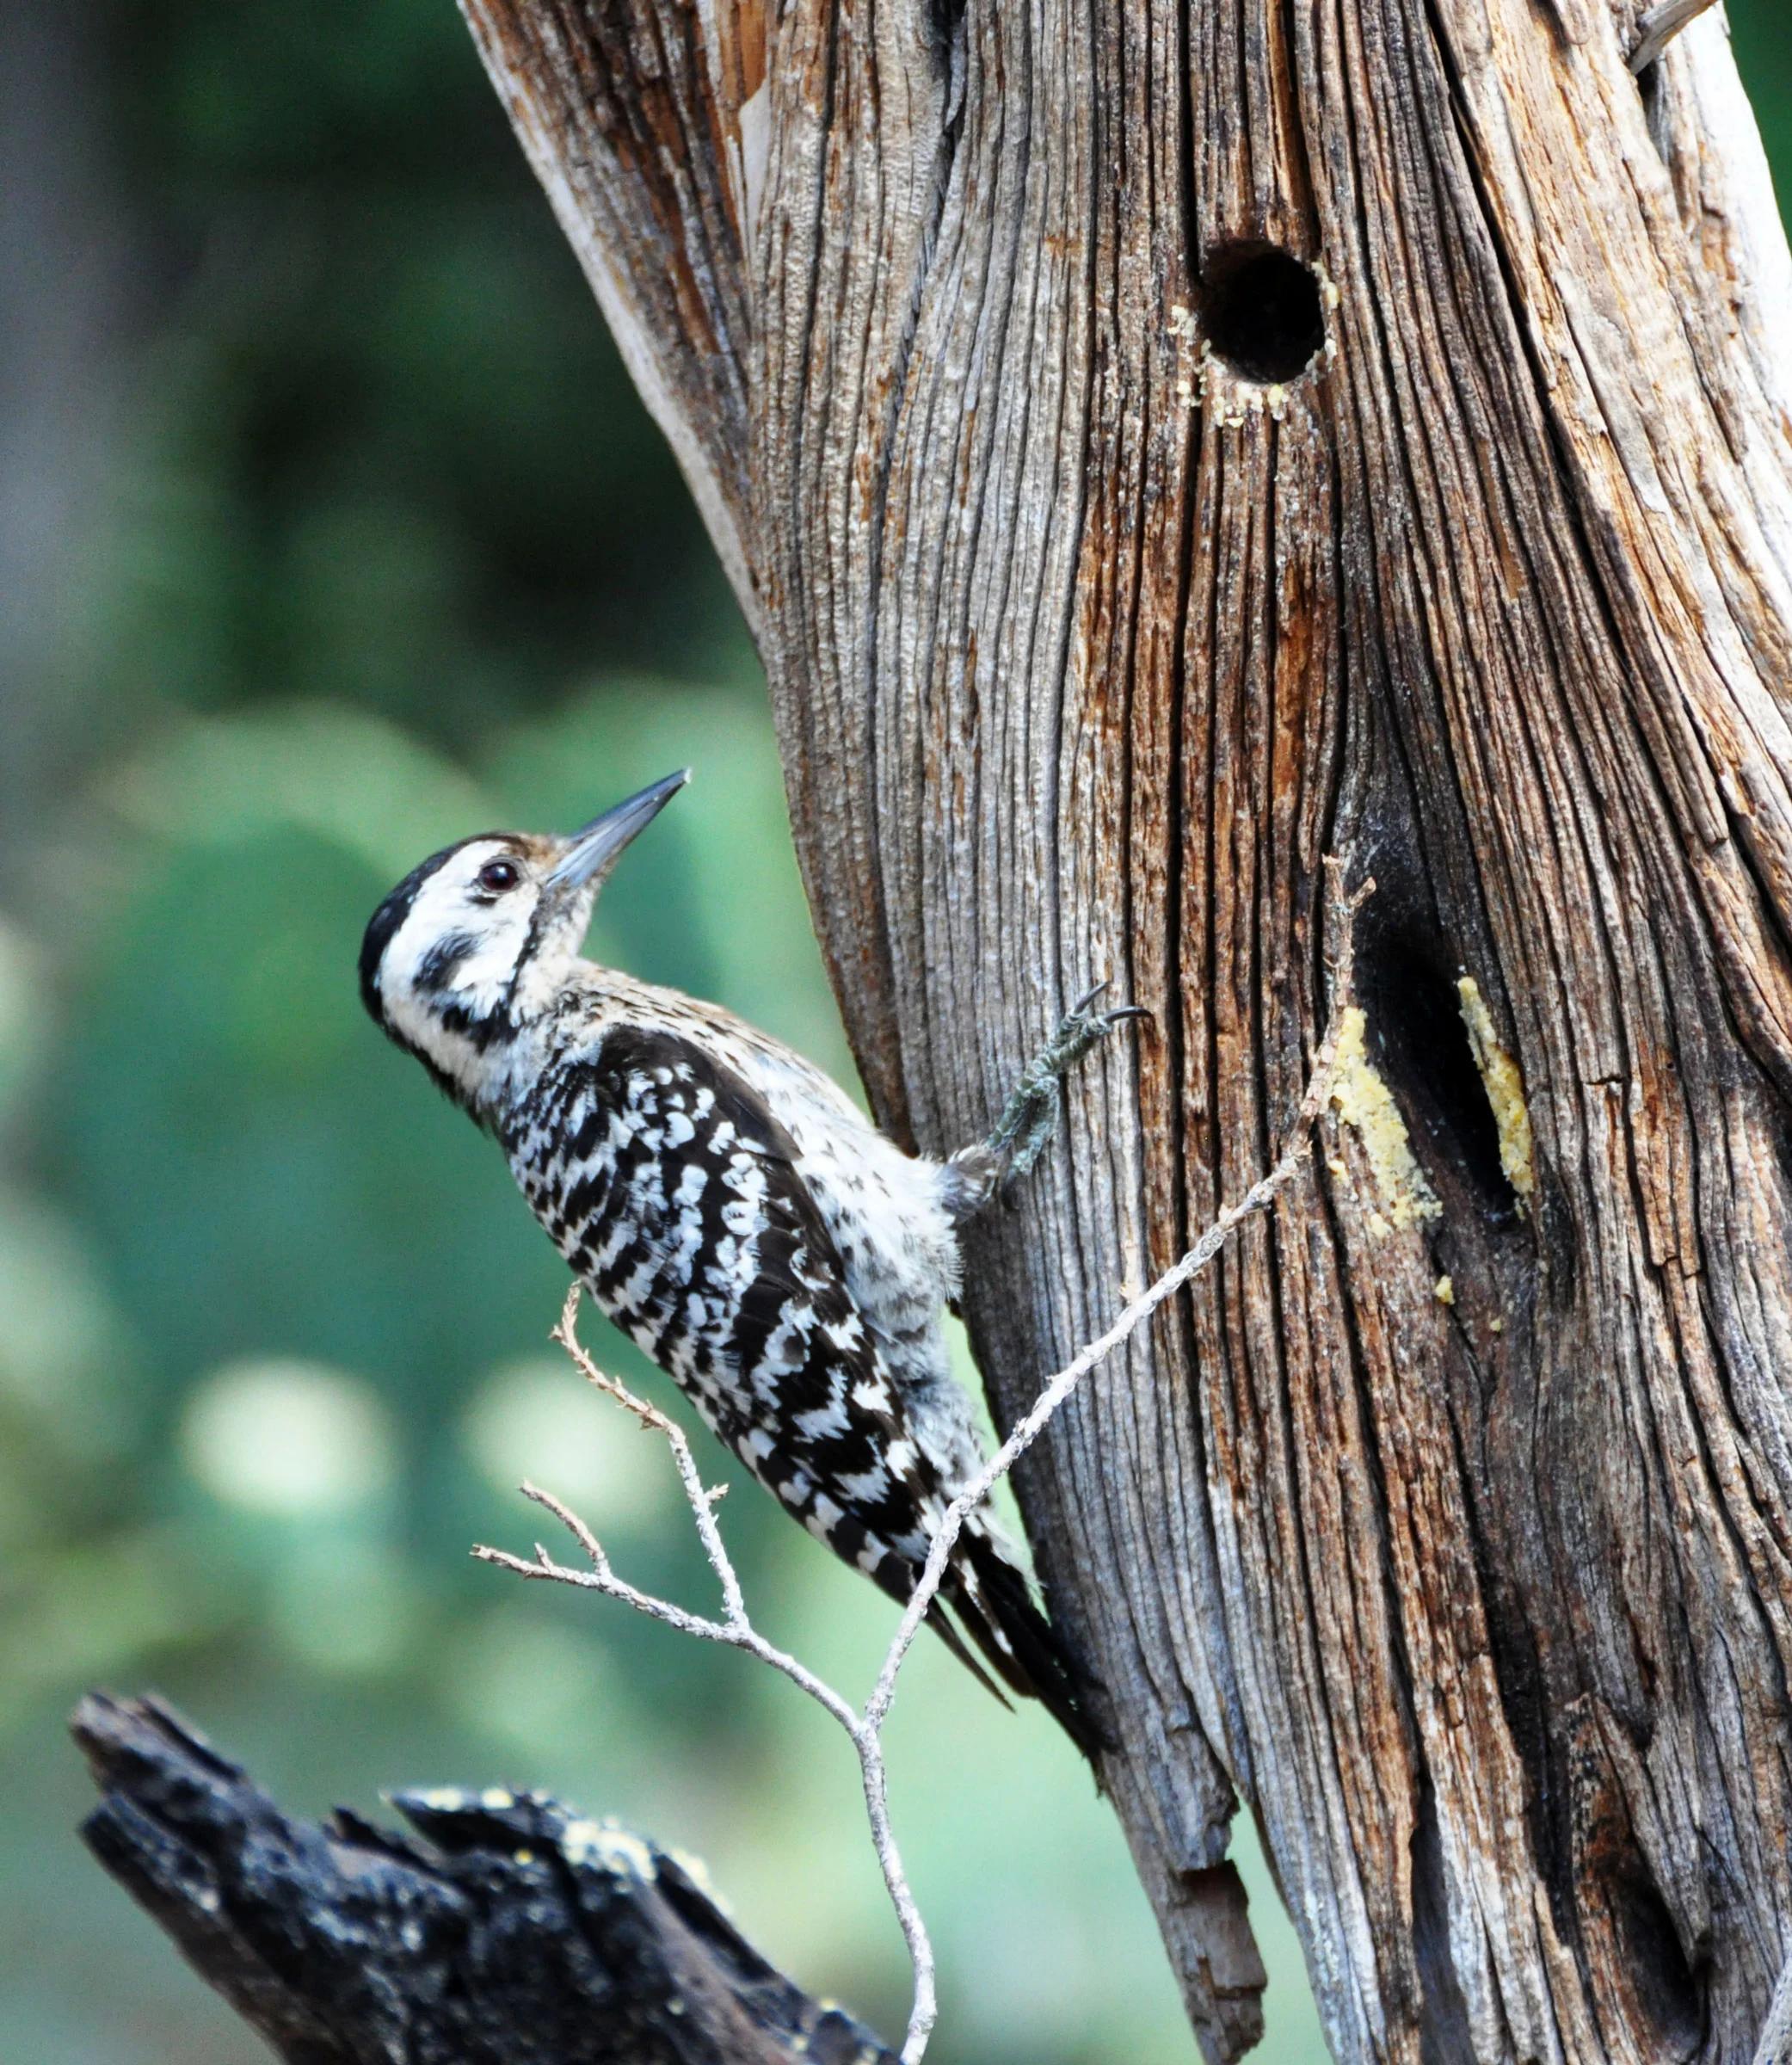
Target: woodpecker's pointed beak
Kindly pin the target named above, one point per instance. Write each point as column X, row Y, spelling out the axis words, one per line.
column 593, row 848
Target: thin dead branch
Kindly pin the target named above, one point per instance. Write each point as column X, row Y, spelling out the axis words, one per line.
column 1659, row 28
column 735, row 1628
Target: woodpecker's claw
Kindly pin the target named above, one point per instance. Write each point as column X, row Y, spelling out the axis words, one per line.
column 1107, row 1019
column 1031, row 1116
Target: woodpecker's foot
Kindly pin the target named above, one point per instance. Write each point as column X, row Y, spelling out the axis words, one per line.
column 1029, row 1118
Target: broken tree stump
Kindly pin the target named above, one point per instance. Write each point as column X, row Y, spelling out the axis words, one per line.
column 505, row 1930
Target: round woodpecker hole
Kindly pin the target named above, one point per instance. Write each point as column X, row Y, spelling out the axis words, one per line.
column 1261, row 311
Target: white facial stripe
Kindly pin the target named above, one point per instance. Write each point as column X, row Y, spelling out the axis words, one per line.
column 445, row 906
column 492, row 933
column 496, row 931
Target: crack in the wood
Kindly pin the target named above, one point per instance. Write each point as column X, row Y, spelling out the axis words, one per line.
column 1296, row 129
column 1400, row 1685
column 1520, row 1683
column 1262, row 986
column 800, row 596
column 1445, row 2035
column 946, row 35
column 945, row 28
column 1175, row 1030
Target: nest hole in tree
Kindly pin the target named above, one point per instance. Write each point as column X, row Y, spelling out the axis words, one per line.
column 1672, row 1992
column 1406, row 984
column 1262, row 311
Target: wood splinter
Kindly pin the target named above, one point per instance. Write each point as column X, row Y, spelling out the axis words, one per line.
column 1659, row 28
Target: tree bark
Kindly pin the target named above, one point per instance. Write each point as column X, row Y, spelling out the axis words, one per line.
column 1158, row 445
column 515, row 1933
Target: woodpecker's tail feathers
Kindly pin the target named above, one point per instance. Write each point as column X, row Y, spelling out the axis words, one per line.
column 992, row 1604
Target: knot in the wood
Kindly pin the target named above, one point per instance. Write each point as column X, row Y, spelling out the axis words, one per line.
column 1261, row 311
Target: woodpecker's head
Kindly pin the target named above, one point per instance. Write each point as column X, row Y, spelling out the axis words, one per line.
column 475, row 943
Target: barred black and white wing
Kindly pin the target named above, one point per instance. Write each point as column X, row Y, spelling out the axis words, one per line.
column 671, row 1188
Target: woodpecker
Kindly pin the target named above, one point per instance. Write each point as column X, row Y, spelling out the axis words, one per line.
column 733, row 1211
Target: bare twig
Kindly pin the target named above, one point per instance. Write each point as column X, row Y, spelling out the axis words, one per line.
column 735, row 1628
column 1659, row 26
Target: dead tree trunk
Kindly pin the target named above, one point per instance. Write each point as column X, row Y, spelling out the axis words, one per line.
column 1157, row 445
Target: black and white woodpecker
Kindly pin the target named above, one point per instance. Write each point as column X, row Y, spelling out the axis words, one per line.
column 732, row 1210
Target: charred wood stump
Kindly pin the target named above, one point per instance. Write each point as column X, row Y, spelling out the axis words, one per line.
column 505, row 1930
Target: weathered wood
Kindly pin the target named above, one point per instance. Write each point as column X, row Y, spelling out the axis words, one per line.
column 1450, row 1520
column 1774, row 2045
column 515, row 1933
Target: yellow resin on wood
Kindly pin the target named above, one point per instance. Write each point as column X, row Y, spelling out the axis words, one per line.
column 1505, row 1088
column 1366, row 1105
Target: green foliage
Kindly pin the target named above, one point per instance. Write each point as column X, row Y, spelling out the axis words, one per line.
column 382, row 551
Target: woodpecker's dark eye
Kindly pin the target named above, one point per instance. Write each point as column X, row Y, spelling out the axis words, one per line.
column 497, row 876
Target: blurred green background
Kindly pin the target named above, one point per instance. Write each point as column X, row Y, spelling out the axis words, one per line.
column 331, row 529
